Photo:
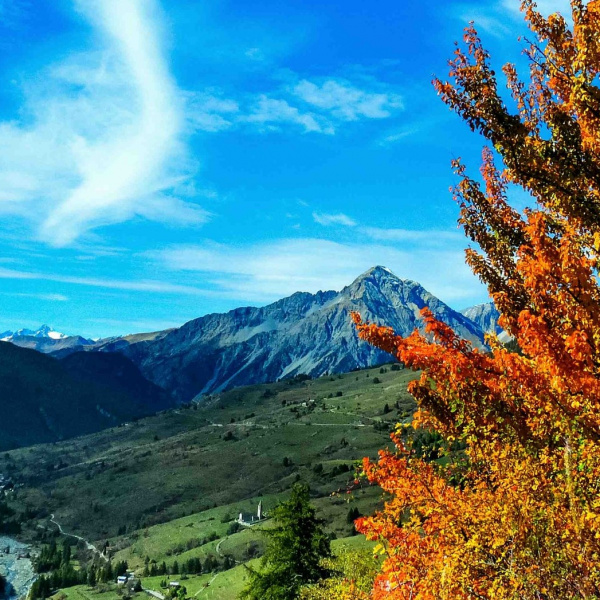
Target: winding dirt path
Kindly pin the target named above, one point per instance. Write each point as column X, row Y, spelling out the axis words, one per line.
column 88, row 545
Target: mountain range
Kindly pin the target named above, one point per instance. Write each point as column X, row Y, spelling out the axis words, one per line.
column 45, row 339
column 305, row 333
column 310, row 334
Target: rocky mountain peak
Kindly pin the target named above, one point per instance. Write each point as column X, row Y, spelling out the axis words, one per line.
column 380, row 286
column 303, row 333
column 377, row 274
column 374, row 281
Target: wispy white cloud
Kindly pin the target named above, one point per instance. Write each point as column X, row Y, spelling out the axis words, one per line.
column 429, row 237
column 347, row 102
column 425, row 237
column 267, row 271
column 100, row 137
column 492, row 17
column 255, row 54
column 161, row 287
column 310, row 107
column 397, row 136
column 337, row 219
column 488, row 19
column 272, row 112
column 207, row 111
column 48, row 297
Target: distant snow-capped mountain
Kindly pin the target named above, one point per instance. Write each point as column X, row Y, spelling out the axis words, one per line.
column 45, row 331
column 45, row 339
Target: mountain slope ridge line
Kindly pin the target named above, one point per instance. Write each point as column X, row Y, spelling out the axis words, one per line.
column 303, row 334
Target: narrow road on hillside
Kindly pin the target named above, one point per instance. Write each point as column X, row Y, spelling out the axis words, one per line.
column 88, row 545
column 219, row 553
column 206, row 586
column 218, row 548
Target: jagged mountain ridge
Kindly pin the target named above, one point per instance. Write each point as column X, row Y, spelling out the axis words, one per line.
column 304, row 333
column 486, row 317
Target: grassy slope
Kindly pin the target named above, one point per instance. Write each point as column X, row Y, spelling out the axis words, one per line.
column 173, row 478
column 178, row 463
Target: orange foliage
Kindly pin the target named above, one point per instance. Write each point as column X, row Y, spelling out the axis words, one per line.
column 521, row 519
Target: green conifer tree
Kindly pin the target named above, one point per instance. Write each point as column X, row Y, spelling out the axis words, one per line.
column 294, row 554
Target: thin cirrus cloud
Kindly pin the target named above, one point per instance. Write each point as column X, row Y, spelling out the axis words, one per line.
column 347, row 102
column 545, row 7
column 307, row 106
column 267, row 271
column 160, row 287
column 430, row 237
column 271, row 113
column 47, row 297
column 396, row 235
column 100, row 141
column 335, row 219
column 208, row 111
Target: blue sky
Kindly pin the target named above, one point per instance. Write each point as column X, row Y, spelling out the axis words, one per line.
column 160, row 160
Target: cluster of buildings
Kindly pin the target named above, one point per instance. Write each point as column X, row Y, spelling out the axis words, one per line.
column 123, row 579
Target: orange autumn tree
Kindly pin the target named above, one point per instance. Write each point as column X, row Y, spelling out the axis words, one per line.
column 520, row 519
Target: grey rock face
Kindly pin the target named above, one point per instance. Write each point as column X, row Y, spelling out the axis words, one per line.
column 304, row 333
column 484, row 315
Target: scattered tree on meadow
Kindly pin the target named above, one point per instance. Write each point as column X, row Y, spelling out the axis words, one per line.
column 296, row 547
column 521, row 520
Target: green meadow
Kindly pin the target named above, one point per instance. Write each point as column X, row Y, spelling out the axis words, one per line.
column 169, row 487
